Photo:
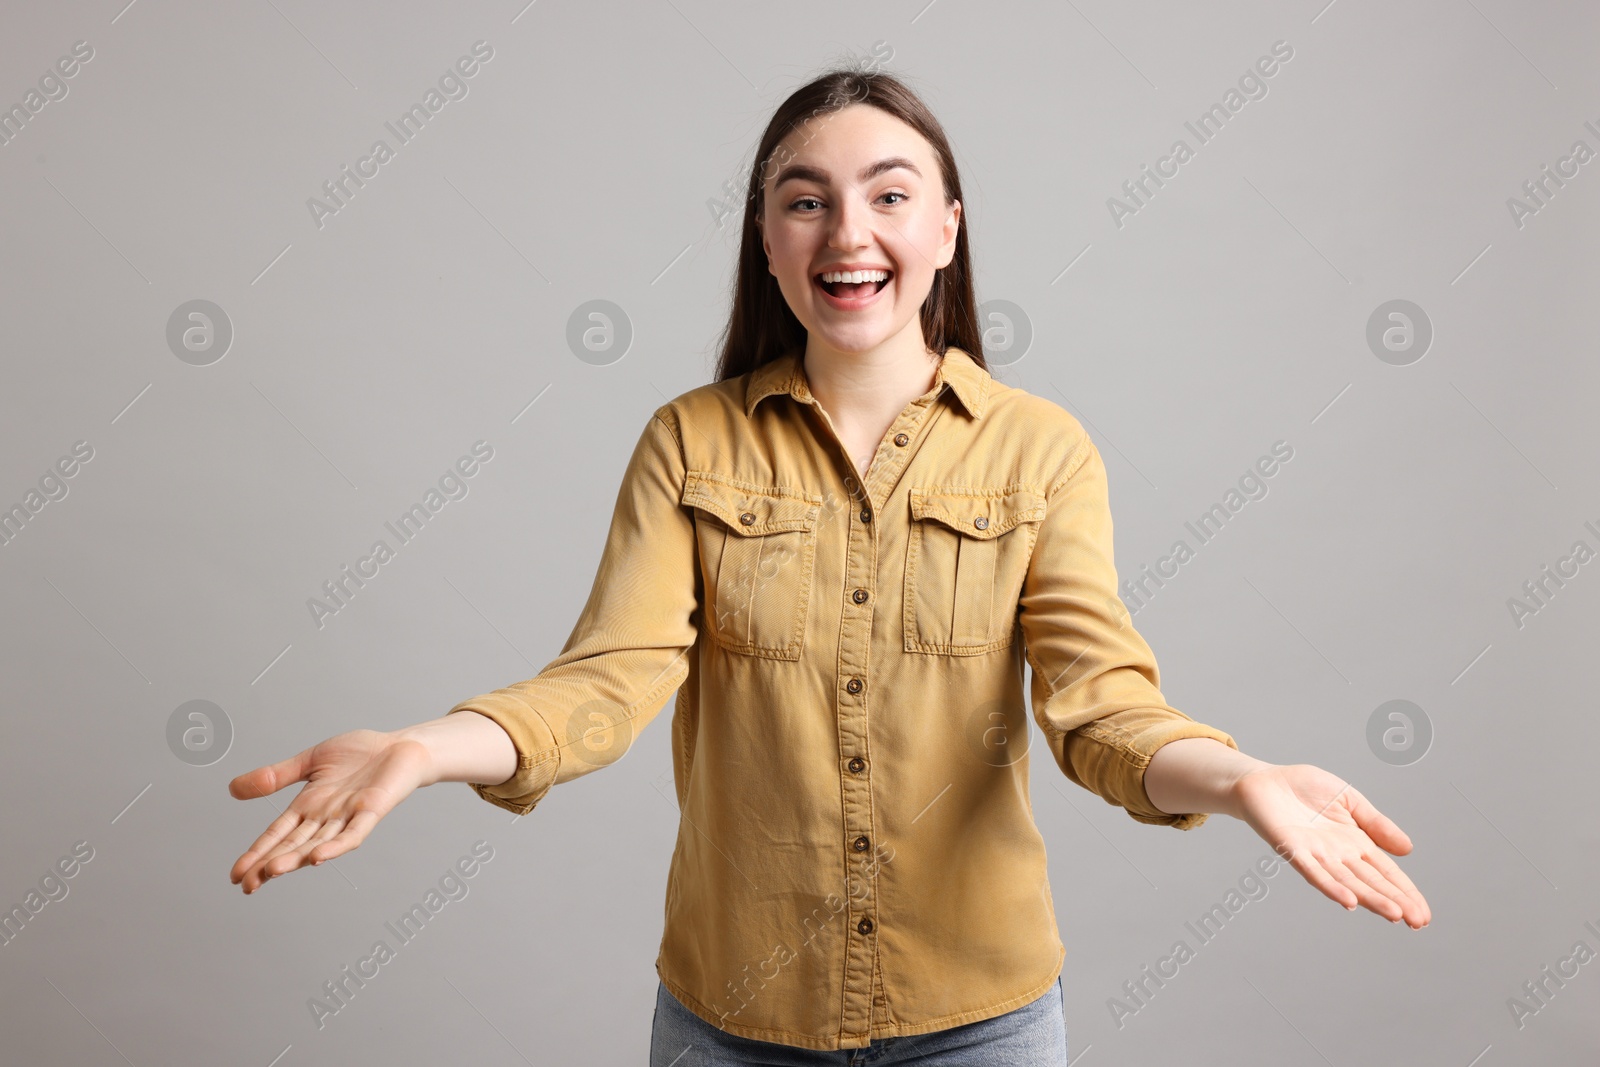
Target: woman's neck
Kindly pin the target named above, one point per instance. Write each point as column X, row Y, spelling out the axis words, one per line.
column 869, row 387
column 863, row 393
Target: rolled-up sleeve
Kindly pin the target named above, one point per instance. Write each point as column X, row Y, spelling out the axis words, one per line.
column 1096, row 687
column 630, row 647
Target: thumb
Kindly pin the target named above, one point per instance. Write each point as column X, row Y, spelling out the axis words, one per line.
column 257, row 783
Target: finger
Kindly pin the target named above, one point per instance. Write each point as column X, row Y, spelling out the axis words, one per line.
column 257, row 783
column 284, row 858
column 274, row 833
column 1313, row 871
column 305, row 853
column 1392, row 905
column 272, row 864
column 292, row 859
column 1378, row 826
column 1392, row 871
column 1421, row 913
column 1350, row 898
column 331, row 829
column 1366, row 896
column 272, row 867
column 354, row 833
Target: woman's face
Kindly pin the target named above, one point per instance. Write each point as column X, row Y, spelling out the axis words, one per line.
column 857, row 189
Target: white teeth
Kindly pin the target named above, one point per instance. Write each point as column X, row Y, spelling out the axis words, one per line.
column 855, row 276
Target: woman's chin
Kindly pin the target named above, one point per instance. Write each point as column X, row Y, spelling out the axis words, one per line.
column 854, row 344
column 853, row 338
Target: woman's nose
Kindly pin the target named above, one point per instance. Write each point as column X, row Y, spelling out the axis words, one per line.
column 851, row 224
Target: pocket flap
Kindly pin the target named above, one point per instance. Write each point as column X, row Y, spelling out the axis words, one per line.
column 976, row 512
column 751, row 510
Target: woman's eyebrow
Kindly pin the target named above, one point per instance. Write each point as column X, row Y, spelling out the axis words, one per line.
column 803, row 172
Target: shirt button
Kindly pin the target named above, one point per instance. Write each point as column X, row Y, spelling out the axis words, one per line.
column 861, row 843
column 981, row 522
column 859, row 596
column 748, row 518
column 857, row 765
column 901, row 439
column 853, row 685
column 866, row 516
column 865, row 925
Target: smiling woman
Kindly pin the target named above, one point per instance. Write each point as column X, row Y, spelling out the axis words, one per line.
column 861, row 178
column 845, row 672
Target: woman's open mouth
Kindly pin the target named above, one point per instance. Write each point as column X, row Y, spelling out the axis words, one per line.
column 847, row 293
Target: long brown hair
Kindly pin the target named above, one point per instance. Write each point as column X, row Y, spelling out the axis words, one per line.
column 760, row 326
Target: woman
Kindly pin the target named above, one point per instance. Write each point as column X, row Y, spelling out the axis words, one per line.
column 840, row 554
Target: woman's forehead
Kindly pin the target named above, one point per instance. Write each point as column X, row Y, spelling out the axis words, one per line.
column 855, row 144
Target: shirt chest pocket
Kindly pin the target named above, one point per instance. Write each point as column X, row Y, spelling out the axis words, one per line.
column 758, row 548
column 966, row 557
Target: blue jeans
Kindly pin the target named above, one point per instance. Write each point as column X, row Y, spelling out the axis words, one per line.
column 1034, row 1035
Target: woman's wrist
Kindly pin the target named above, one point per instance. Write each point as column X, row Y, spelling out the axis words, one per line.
column 1198, row 774
column 463, row 747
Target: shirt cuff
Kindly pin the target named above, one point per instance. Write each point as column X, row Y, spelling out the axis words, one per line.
column 538, row 754
column 1113, row 756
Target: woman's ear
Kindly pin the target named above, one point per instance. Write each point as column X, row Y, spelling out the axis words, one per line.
column 765, row 249
column 952, row 229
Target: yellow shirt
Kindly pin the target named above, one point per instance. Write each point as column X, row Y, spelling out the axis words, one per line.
column 856, row 854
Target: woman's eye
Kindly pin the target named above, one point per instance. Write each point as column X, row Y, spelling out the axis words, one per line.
column 798, row 204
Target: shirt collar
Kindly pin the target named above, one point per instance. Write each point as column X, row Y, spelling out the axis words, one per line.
column 786, row 374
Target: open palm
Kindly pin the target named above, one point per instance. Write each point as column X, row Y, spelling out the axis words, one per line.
column 353, row 780
column 1334, row 837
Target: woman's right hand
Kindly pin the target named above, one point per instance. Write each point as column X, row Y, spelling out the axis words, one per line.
column 353, row 780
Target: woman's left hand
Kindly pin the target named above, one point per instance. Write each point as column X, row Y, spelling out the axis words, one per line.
column 1333, row 836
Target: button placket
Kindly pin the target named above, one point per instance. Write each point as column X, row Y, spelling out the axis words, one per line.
column 854, row 714
column 861, row 573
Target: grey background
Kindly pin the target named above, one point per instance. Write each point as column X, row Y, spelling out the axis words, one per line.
column 432, row 311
